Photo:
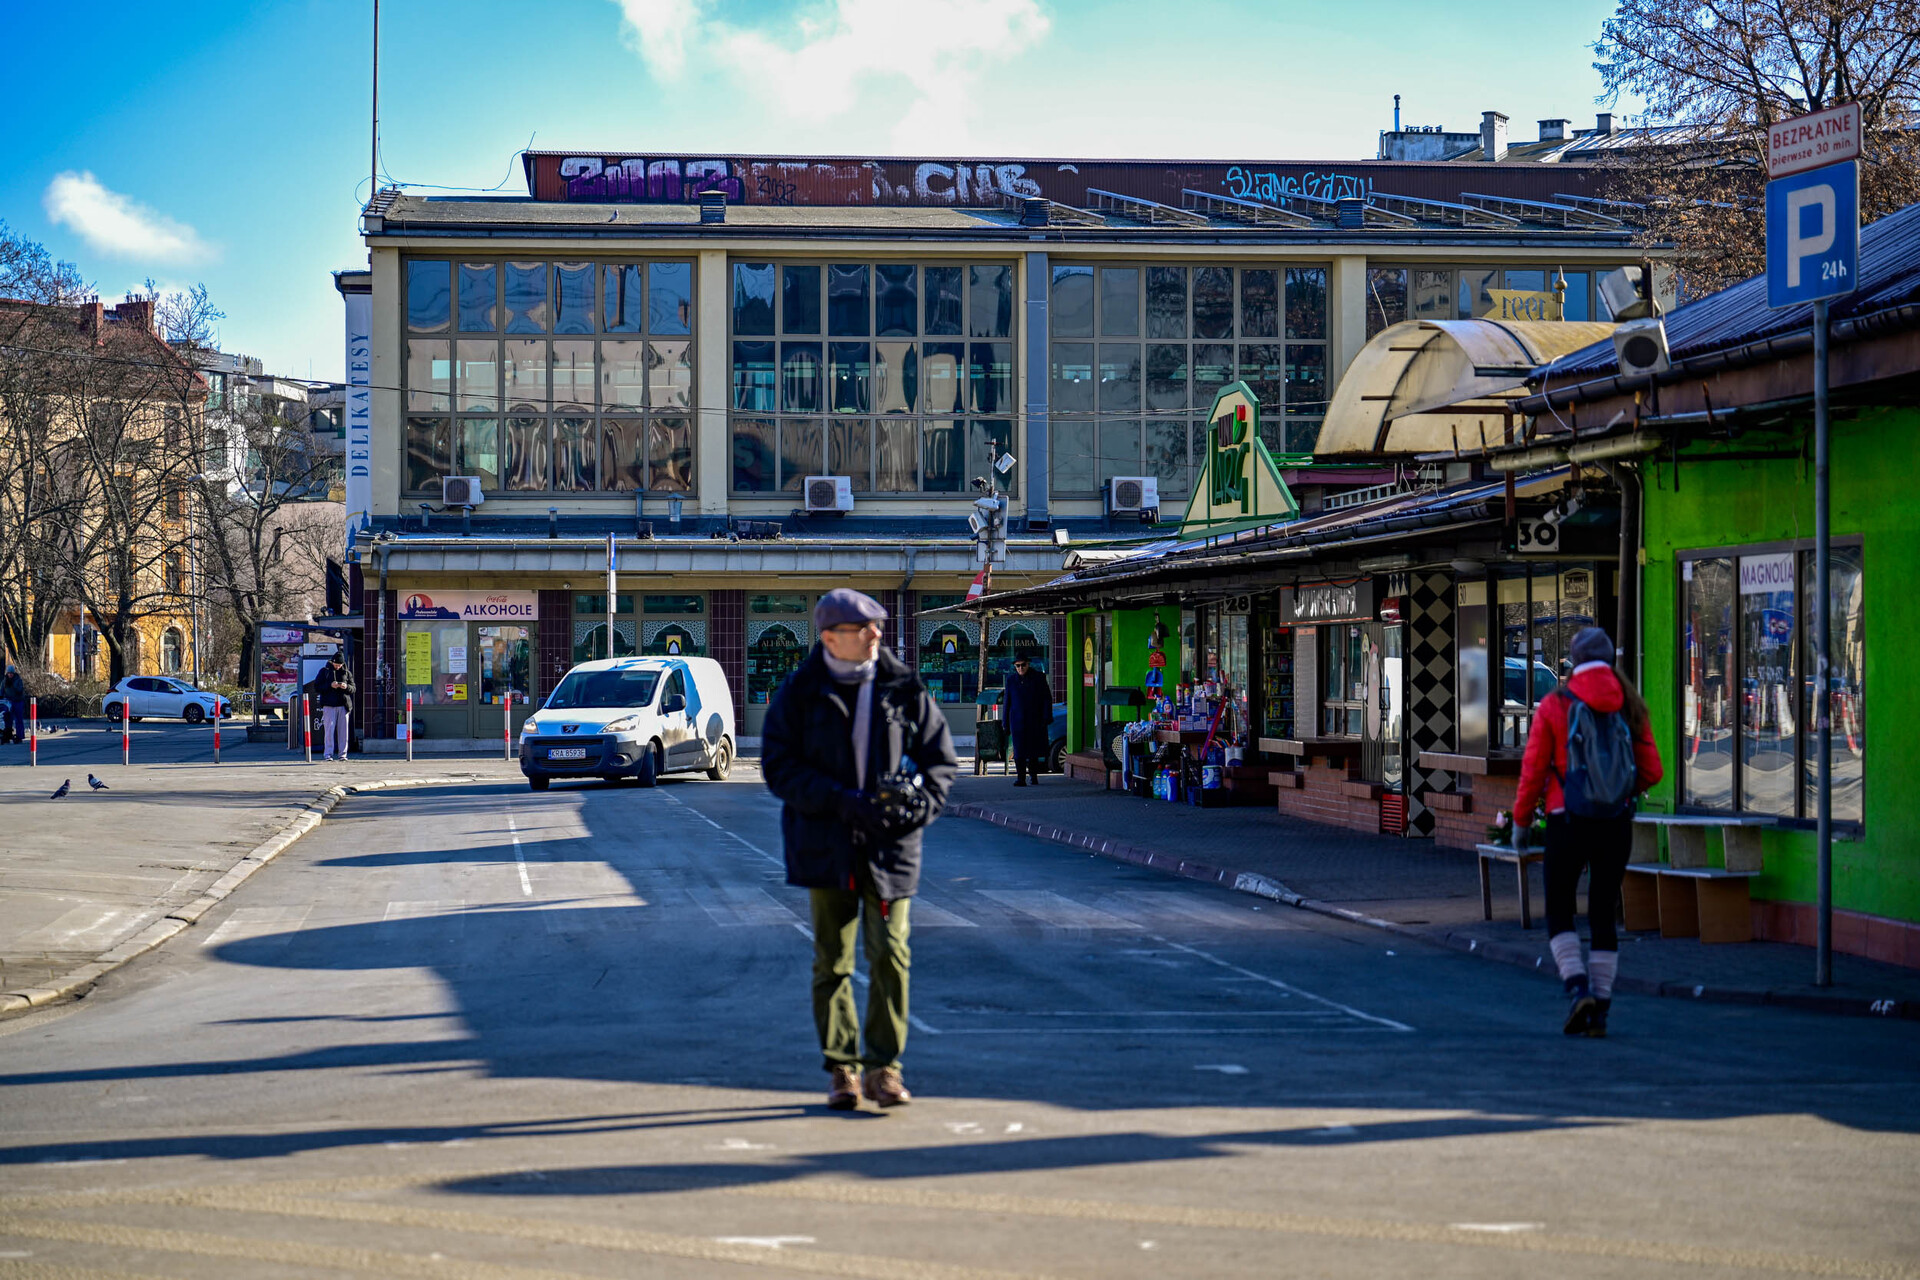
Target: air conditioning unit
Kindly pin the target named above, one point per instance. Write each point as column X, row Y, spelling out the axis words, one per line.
column 1133, row 493
column 1641, row 346
column 829, row 493
column 460, row 491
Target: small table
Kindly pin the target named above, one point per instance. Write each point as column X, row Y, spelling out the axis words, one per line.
column 1520, row 858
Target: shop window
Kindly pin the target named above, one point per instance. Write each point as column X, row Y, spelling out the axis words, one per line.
column 573, row 297
column 1120, row 301
column 433, row 663
column 526, row 297
column 673, row 639
column 990, row 301
column 429, row 375
column 1166, row 302
column 479, row 297
column 480, row 450
column 850, row 451
column 1343, row 679
column 1433, row 295
column 1259, row 303
column 896, row 302
column 753, row 297
column 590, row 638
column 942, row 301
column 950, row 660
column 1474, row 299
column 429, row 447
column 1213, row 302
column 626, row 299
column 896, row 377
column 1306, row 302
column 670, row 298
column 1748, row 733
column 848, row 301
column 779, row 636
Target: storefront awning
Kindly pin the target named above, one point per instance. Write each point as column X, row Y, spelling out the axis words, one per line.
column 1423, row 386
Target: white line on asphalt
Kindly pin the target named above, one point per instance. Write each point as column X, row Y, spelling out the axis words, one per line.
column 1388, row 1023
column 519, row 855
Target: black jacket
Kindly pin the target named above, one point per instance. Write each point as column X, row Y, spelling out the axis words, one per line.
column 325, row 695
column 1027, row 708
column 806, row 756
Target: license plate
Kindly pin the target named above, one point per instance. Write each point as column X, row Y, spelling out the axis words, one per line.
column 567, row 753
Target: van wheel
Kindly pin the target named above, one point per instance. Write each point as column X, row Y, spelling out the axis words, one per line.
column 722, row 761
column 1057, row 758
column 649, row 768
column 538, row 781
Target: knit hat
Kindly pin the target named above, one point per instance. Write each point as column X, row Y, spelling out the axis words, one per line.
column 1590, row 644
column 843, row 606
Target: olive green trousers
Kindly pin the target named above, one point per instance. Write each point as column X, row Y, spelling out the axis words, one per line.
column 883, row 930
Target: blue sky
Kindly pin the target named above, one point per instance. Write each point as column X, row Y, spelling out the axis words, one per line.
column 227, row 142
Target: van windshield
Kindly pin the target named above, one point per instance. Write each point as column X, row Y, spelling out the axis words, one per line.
column 605, row 689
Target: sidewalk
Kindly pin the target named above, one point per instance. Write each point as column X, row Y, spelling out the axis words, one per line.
column 83, row 877
column 1411, row 888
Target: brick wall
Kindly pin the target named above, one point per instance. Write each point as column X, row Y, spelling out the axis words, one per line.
column 1327, row 792
column 1461, row 818
column 555, row 643
column 378, row 708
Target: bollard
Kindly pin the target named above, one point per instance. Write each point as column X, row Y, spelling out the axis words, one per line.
column 406, row 729
column 126, row 732
column 33, row 731
column 306, row 726
column 216, row 729
column 506, row 729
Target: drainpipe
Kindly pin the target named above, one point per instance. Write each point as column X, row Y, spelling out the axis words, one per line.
column 1626, row 635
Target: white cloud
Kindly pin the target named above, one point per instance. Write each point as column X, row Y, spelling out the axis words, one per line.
column 659, row 31
column 120, row 225
column 929, row 54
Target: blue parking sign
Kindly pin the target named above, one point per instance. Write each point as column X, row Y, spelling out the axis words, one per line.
column 1813, row 235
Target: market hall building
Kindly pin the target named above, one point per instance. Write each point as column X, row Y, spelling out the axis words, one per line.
column 765, row 378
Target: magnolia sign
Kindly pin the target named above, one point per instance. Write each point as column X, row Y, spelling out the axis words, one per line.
column 475, row 606
column 1764, row 575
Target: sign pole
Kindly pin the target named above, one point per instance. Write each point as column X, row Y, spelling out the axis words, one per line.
column 1822, row 655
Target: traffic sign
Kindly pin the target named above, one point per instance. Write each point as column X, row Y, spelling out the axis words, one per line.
column 1813, row 235
column 1814, row 141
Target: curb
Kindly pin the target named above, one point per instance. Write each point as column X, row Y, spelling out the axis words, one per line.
column 1524, row 957
column 76, row 983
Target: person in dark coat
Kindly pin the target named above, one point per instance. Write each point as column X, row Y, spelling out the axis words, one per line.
column 1026, row 709
column 13, row 705
column 844, row 737
column 332, row 692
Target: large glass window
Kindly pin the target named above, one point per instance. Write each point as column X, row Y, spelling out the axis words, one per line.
column 1748, row 732
column 1121, row 406
column 865, row 370
column 565, row 414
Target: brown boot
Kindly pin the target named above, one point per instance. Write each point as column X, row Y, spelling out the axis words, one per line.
column 887, row 1088
column 844, row 1093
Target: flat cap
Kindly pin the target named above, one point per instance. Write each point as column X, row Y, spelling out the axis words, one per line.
column 843, row 606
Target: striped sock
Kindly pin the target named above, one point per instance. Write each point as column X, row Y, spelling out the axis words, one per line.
column 1566, row 955
column 1605, row 965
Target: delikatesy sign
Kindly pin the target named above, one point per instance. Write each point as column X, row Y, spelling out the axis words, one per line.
column 472, row 606
column 1813, row 235
column 1814, row 141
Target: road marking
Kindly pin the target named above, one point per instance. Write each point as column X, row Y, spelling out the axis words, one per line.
column 1224, row 1068
column 732, row 906
column 519, row 854
column 88, row 928
column 1503, row 1227
column 1055, row 911
column 1152, row 907
column 276, row 925
column 928, row 916
column 1289, row 988
column 764, row 1242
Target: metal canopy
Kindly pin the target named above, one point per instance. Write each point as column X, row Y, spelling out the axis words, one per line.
column 1427, row 386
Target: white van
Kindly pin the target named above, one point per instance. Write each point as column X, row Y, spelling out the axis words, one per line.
column 632, row 718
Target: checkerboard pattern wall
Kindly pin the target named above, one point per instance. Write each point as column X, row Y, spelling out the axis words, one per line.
column 1430, row 672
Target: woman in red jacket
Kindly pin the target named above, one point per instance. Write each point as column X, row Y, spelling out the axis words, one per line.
column 1599, row 846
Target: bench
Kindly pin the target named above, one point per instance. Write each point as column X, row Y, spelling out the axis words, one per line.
column 1708, row 903
column 1520, row 858
column 1687, row 838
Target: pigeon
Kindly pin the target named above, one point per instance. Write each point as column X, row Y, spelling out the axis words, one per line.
column 95, row 783
column 62, row 791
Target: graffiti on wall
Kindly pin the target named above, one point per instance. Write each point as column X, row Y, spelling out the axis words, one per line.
column 983, row 183
column 1251, row 184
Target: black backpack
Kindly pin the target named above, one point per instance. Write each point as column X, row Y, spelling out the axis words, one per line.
column 1601, row 771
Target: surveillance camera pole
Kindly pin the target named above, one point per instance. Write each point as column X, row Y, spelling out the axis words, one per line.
column 985, row 539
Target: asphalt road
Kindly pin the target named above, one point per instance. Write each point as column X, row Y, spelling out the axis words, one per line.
column 476, row 1032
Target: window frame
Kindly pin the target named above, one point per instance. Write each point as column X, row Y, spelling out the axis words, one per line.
column 451, row 422
column 1801, row 549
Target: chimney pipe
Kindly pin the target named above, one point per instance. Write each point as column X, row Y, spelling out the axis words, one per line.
column 1396, row 113
column 1493, row 136
column 1603, row 123
column 1553, row 130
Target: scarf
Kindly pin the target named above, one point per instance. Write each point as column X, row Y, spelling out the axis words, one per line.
column 862, row 674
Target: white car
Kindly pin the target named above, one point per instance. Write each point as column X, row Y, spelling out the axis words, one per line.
column 163, row 696
column 632, row 719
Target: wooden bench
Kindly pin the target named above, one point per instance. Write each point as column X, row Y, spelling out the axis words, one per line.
column 1687, row 838
column 1708, row 903
column 1520, row 858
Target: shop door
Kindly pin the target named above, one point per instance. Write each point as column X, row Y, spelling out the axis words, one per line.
column 502, row 680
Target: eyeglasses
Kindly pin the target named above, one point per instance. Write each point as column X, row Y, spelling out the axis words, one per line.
column 855, row 628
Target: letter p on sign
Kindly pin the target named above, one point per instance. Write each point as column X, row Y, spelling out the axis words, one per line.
column 1813, row 235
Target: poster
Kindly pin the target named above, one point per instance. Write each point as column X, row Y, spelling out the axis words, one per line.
column 419, row 658
column 456, row 691
column 456, row 659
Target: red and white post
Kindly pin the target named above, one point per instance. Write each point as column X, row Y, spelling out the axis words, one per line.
column 33, row 731
column 216, row 729
column 406, row 730
column 506, row 728
column 126, row 732
column 306, row 726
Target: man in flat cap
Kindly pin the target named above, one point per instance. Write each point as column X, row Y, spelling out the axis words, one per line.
column 859, row 754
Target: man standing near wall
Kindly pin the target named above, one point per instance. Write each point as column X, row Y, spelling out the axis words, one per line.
column 332, row 691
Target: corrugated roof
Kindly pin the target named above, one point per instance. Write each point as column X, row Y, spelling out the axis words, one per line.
column 1738, row 315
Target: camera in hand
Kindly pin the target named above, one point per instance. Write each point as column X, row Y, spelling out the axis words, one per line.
column 901, row 801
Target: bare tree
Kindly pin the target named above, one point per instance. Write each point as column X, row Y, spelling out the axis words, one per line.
column 29, row 273
column 1723, row 72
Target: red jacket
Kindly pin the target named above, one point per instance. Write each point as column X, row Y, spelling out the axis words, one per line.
column 1546, row 760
